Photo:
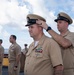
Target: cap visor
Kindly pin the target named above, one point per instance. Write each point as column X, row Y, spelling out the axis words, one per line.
column 28, row 24
column 59, row 19
column 56, row 20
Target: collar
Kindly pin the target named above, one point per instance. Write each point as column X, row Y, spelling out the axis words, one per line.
column 14, row 43
column 66, row 33
column 41, row 41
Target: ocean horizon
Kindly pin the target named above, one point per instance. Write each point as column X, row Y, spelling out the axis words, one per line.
column 5, row 51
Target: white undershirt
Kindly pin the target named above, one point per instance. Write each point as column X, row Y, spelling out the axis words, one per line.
column 36, row 43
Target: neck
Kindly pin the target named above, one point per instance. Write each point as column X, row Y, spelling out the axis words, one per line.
column 63, row 32
column 37, row 38
column 13, row 42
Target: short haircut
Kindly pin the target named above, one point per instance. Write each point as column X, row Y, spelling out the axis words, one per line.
column 14, row 37
column 1, row 40
column 25, row 44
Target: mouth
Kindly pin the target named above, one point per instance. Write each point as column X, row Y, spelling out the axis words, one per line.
column 30, row 33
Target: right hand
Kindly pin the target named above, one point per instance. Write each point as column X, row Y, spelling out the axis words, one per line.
column 42, row 24
column 15, row 68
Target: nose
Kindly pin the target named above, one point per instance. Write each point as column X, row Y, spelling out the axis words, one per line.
column 29, row 29
column 57, row 24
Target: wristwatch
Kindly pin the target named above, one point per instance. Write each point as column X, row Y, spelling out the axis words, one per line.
column 16, row 66
column 49, row 28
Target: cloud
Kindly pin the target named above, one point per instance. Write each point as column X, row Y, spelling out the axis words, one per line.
column 11, row 12
column 0, row 29
column 3, row 32
column 13, row 16
column 44, row 9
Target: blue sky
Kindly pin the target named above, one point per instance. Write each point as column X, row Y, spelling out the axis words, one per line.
column 13, row 17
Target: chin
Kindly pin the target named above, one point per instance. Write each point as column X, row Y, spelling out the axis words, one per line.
column 58, row 29
column 31, row 36
column 10, row 42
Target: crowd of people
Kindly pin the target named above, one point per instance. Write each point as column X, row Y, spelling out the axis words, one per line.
column 14, row 56
column 45, row 55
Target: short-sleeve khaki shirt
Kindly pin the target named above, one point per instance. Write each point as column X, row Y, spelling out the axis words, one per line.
column 14, row 50
column 68, row 53
column 41, row 59
column 25, row 50
column 1, row 53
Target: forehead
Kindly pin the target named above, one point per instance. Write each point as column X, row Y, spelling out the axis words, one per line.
column 11, row 36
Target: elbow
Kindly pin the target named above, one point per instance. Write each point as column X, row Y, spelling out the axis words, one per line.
column 66, row 45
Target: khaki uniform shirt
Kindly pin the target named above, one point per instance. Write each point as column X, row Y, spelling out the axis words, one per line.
column 25, row 50
column 1, row 53
column 14, row 50
column 41, row 59
column 68, row 53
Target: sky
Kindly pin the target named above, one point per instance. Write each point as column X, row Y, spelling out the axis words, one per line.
column 13, row 17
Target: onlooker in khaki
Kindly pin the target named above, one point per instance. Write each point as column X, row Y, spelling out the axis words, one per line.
column 44, row 54
column 65, row 40
column 1, row 55
column 23, row 57
column 25, row 50
column 14, row 57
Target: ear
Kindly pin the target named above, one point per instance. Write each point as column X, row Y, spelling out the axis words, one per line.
column 67, row 23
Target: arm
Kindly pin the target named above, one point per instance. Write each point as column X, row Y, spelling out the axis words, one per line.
column 58, row 70
column 17, row 59
column 18, row 56
column 1, row 54
column 65, row 43
column 1, row 57
column 56, row 57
